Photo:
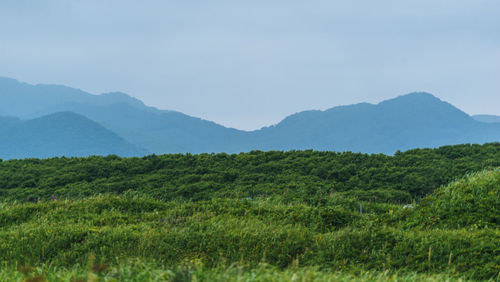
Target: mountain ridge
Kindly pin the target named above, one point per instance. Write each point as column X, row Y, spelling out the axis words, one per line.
column 417, row 119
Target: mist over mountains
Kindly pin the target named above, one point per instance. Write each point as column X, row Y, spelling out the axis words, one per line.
column 49, row 120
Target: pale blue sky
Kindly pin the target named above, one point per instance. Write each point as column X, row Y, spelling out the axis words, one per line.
column 248, row 64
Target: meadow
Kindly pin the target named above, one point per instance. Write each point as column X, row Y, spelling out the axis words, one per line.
column 420, row 215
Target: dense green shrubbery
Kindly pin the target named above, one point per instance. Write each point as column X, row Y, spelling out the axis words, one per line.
column 220, row 232
column 473, row 201
column 218, row 212
column 304, row 174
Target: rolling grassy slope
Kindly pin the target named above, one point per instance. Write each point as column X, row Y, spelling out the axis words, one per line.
column 209, row 237
column 311, row 216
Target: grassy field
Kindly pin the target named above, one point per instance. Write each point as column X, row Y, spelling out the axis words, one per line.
column 451, row 234
column 138, row 271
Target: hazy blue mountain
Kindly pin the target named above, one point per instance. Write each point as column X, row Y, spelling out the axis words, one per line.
column 162, row 131
column 409, row 121
column 26, row 101
column 487, row 118
column 60, row 134
column 159, row 131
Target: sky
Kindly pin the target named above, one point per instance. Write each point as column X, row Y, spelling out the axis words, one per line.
column 248, row 64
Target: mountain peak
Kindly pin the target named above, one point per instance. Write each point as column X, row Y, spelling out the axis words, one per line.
column 425, row 108
column 414, row 97
column 419, row 94
column 425, row 105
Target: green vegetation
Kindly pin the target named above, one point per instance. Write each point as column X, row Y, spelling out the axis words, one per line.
column 306, row 175
column 471, row 201
column 254, row 217
column 139, row 271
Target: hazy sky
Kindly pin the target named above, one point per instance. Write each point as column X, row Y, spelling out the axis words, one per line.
column 247, row 64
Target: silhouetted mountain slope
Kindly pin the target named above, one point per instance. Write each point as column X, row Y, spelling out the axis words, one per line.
column 60, row 134
column 159, row 131
column 26, row 101
column 409, row 121
column 487, row 118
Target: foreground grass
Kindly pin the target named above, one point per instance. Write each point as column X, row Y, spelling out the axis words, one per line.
column 139, row 271
column 219, row 233
column 453, row 234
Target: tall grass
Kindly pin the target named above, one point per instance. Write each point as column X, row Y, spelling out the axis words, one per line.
column 264, row 238
column 141, row 271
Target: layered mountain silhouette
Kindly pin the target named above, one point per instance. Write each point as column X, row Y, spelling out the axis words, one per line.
column 60, row 134
column 159, row 131
column 409, row 121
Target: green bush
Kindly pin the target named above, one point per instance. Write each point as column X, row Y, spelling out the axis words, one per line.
column 472, row 202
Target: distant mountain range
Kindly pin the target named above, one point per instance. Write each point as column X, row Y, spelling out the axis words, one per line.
column 51, row 120
column 158, row 131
